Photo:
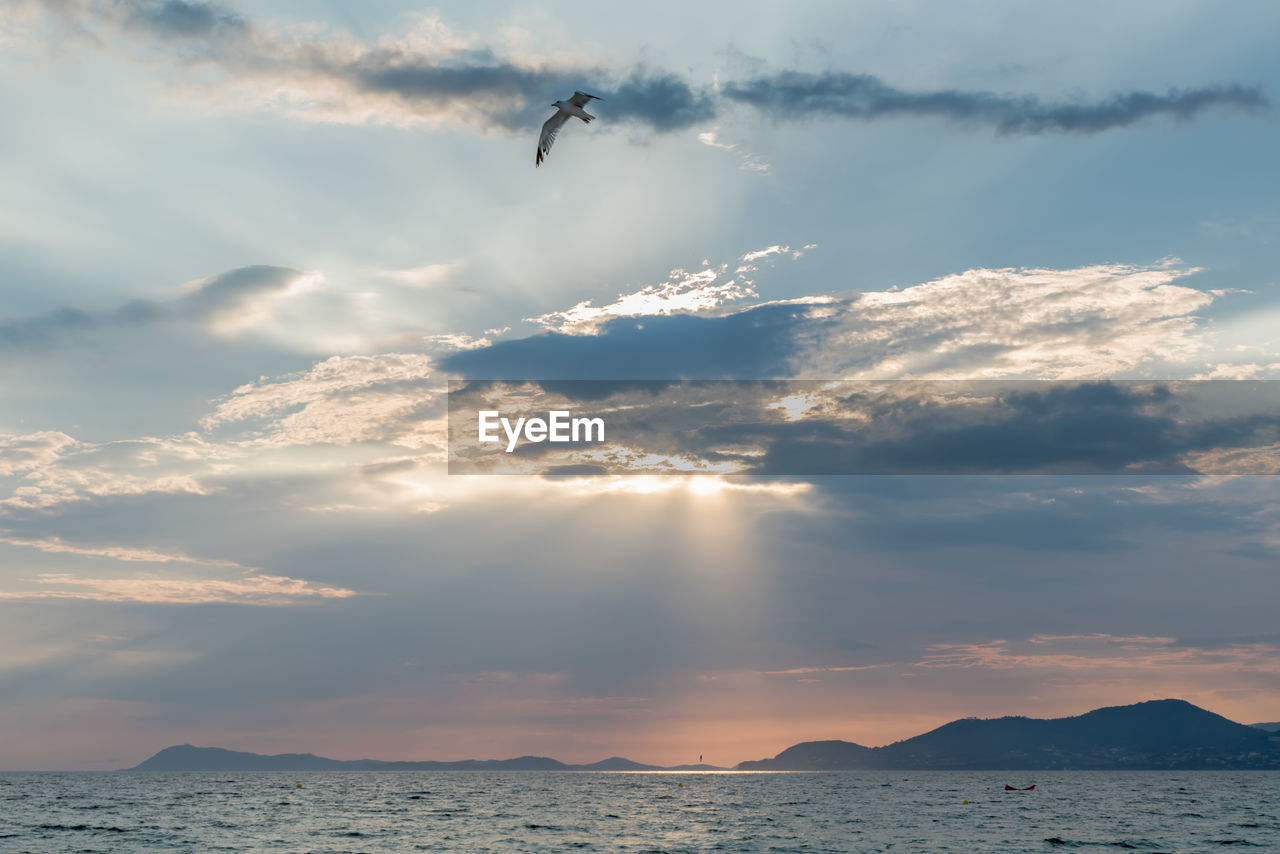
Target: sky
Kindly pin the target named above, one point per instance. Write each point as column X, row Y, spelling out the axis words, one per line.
column 244, row 248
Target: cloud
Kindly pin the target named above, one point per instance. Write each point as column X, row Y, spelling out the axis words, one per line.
column 56, row 469
column 1088, row 322
column 426, row 276
column 385, row 409
column 43, row 329
column 851, row 668
column 252, row 589
column 1035, row 323
column 748, row 162
column 57, row 545
column 480, row 89
column 294, row 310
column 181, row 19
column 776, row 249
column 434, row 76
column 682, row 293
column 793, row 94
column 950, row 428
column 390, row 397
column 756, row 342
column 19, row 454
column 224, row 303
column 430, row 75
column 1040, row 323
column 659, row 100
column 808, row 428
column 231, row 300
column 685, row 293
column 1104, row 652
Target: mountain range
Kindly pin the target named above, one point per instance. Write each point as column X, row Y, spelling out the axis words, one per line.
column 1159, row 734
column 185, row 757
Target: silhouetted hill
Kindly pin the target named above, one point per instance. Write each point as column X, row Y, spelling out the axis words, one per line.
column 188, row 758
column 1271, row 727
column 815, row 756
column 615, row 763
column 1161, row 734
column 1156, row 734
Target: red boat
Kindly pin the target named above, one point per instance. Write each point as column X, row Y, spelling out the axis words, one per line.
column 1009, row 788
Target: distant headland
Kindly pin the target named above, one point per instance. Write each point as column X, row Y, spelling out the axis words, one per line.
column 188, row 758
column 1155, row 735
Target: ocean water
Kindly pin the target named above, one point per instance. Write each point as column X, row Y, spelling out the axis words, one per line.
column 463, row 811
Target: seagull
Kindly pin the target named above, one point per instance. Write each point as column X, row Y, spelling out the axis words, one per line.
column 564, row 109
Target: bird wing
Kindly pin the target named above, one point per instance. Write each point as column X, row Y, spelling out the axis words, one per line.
column 580, row 99
column 550, row 128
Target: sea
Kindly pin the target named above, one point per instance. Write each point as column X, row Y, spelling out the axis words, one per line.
column 489, row 811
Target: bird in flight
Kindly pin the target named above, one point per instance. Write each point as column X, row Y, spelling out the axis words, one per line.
column 564, row 109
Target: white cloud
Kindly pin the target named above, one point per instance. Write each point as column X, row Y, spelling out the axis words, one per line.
column 31, row 451
column 57, row 545
column 776, row 249
column 1238, row 371
column 302, row 70
column 391, row 397
column 1102, row 652
column 1036, row 323
column 251, row 589
column 1086, row 322
column 428, row 276
column 683, row 293
column 68, row 470
column 748, row 161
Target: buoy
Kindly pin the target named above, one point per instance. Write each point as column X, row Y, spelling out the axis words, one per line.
column 299, row 785
column 681, row 785
column 966, row 802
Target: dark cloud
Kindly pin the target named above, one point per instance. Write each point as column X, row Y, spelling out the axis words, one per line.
column 814, row 428
column 574, row 471
column 792, row 94
column 602, row 389
column 231, row 289
column 655, row 100
column 418, row 80
column 1088, row 428
column 472, row 83
column 477, row 85
column 1033, row 513
column 659, row 100
column 221, row 293
column 43, row 329
column 184, row 20
column 757, row 342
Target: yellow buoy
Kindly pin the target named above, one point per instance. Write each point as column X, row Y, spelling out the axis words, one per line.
column 681, row 785
column 966, row 802
column 299, row 785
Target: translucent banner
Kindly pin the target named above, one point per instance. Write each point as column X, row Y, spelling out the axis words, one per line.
column 857, row 427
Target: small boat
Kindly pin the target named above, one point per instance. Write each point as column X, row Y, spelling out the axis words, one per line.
column 1009, row 788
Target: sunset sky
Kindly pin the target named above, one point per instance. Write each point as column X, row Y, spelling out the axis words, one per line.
column 245, row 247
